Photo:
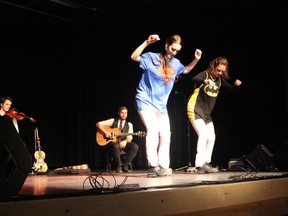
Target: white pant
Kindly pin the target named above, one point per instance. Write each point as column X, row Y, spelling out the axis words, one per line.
column 157, row 138
column 206, row 141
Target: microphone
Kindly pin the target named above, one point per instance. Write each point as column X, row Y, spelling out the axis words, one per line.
column 177, row 92
column 183, row 95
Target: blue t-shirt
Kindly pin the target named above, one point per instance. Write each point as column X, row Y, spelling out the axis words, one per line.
column 152, row 92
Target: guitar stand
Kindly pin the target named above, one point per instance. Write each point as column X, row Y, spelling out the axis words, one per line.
column 187, row 168
column 33, row 168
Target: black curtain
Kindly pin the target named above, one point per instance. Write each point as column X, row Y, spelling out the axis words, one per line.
column 69, row 74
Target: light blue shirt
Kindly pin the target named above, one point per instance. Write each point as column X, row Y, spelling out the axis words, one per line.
column 152, row 93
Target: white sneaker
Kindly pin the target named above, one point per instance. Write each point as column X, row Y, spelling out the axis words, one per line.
column 164, row 172
column 200, row 170
column 209, row 169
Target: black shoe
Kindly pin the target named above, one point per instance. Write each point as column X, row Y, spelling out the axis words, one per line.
column 125, row 168
column 153, row 172
column 119, row 169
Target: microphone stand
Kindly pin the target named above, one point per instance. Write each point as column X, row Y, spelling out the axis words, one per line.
column 187, row 168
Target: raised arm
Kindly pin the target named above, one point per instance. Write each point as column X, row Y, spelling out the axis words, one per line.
column 137, row 52
column 102, row 128
column 192, row 64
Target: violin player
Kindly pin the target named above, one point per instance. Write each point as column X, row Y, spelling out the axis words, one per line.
column 6, row 103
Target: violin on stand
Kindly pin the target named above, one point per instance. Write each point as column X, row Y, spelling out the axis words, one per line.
column 39, row 165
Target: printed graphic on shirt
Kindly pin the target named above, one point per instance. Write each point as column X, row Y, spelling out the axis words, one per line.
column 166, row 72
column 212, row 91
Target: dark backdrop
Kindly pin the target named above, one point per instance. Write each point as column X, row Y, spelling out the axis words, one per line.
column 69, row 74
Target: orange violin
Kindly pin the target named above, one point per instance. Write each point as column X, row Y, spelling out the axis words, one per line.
column 19, row 115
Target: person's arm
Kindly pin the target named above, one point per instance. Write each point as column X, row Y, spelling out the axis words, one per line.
column 129, row 138
column 101, row 126
column 233, row 88
column 192, row 64
column 137, row 52
column 131, row 130
column 201, row 78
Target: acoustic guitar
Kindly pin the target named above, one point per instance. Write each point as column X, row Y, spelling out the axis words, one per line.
column 115, row 133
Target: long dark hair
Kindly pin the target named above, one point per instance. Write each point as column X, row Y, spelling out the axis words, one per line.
column 175, row 38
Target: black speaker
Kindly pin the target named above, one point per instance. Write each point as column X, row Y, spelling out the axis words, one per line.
column 15, row 160
column 260, row 159
column 280, row 158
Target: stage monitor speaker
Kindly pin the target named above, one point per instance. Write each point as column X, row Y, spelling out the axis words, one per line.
column 260, row 159
column 235, row 164
column 15, row 160
column 280, row 158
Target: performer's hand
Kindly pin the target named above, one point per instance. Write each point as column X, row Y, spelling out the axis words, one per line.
column 198, row 54
column 123, row 144
column 153, row 38
column 209, row 82
column 237, row 82
column 107, row 135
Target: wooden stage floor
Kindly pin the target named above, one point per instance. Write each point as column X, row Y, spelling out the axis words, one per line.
column 182, row 193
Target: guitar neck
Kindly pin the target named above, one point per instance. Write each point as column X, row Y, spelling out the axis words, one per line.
column 125, row 134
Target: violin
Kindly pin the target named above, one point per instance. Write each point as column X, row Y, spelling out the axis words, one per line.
column 12, row 113
column 40, row 166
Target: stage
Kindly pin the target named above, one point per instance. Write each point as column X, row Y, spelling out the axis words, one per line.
column 182, row 193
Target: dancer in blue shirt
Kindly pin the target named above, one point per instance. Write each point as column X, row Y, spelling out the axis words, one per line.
column 159, row 72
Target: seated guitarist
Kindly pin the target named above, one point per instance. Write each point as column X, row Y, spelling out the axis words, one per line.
column 124, row 143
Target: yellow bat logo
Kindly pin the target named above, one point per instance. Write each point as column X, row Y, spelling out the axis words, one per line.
column 212, row 91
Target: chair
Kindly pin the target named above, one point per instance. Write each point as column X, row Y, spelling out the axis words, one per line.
column 110, row 161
